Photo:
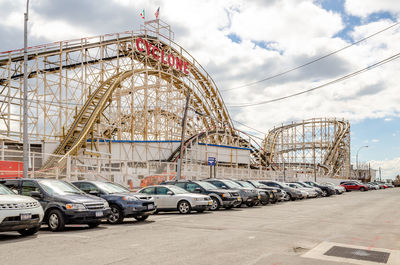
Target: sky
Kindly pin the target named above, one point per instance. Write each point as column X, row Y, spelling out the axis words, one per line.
column 239, row 42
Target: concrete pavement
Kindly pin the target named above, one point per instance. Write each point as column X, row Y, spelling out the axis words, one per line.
column 275, row 234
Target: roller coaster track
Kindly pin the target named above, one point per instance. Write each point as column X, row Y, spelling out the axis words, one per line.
column 86, row 118
column 99, row 100
column 333, row 151
column 279, row 141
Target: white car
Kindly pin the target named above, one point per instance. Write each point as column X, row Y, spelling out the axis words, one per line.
column 172, row 198
column 339, row 189
column 310, row 192
column 19, row 213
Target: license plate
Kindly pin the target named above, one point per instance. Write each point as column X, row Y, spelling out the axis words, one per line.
column 210, row 203
column 239, row 199
column 150, row 206
column 99, row 214
column 25, row 216
column 271, row 196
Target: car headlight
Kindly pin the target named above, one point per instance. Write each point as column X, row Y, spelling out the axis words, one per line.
column 129, row 198
column 75, row 206
column 226, row 195
column 106, row 205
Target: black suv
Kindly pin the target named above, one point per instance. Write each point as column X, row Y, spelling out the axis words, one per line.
column 122, row 202
column 250, row 197
column 62, row 202
column 226, row 198
column 276, row 192
column 265, row 195
column 326, row 190
column 292, row 194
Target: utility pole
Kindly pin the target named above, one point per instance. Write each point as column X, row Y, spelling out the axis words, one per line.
column 358, row 173
column 179, row 170
column 284, row 172
column 380, row 174
column 25, row 97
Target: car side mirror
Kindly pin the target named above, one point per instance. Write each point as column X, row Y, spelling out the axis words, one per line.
column 94, row 192
column 170, row 193
column 36, row 194
column 224, row 187
column 197, row 190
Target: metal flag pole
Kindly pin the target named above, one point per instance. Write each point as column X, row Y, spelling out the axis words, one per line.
column 25, row 97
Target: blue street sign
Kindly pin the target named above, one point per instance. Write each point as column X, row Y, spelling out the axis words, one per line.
column 212, row 161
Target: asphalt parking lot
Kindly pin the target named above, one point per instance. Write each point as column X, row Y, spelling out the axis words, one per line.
column 285, row 233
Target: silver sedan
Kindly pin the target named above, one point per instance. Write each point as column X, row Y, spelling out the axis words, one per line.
column 172, row 198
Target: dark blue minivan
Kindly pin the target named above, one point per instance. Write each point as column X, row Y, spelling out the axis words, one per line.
column 123, row 202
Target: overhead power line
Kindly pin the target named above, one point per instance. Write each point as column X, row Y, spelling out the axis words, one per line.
column 313, row 61
column 387, row 60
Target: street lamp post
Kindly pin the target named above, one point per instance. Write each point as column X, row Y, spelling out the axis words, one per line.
column 179, row 170
column 25, row 97
column 358, row 173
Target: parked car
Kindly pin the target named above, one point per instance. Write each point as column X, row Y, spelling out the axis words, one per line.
column 318, row 190
column 389, row 185
column 172, row 198
column 19, row 213
column 62, row 202
column 278, row 194
column 264, row 195
column 354, row 185
column 308, row 192
column 339, row 189
column 326, row 189
column 249, row 196
column 292, row 194
column 123, row 203
column 373, row 186
column 227, row 198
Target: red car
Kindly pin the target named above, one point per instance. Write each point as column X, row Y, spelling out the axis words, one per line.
column 351, row 185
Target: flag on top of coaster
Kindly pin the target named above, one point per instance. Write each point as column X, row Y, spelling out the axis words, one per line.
column 142, row 14
column 157, row 12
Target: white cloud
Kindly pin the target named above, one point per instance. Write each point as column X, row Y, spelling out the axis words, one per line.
column 364, row 8
column 299, row 30
column 375, row 140
column 388, row 119
column 390, row 168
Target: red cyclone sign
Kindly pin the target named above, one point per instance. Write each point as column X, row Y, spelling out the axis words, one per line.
column 159, row 54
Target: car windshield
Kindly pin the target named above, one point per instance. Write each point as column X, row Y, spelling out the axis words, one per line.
column 5, row 191
column 111, row 187
column 177, row 190
column 246, row 184
column 59, row 187
column 295, row 185
column 232, row 184
column 206, row 185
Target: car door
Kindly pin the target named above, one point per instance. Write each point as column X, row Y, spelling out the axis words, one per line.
column 167, row 201
column 28, row 186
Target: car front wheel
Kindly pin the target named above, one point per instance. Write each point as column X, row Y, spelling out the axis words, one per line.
column 215, row 204
column 362, row 189
column 184, row 207
column 116, row 216
column 56, row 221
